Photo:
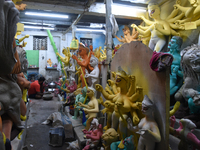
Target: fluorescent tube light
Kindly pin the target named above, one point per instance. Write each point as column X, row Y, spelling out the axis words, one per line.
column 96, row 25
column 37, row 27
column 37, row 23
column 46, row 15
column 90, row 30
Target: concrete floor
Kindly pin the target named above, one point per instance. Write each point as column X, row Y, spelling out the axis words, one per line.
column 37, row 134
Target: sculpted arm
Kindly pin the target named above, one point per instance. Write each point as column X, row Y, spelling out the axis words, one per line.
column 132, row 88
column 105, row 94
column 148, row 22
column 141, row 31
column 154, row 133
column 113, row 85
column 138, row 95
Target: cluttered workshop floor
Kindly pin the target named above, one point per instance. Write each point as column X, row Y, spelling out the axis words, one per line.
column 37, row 134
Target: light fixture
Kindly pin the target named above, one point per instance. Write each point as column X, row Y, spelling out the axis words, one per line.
column 118, row 9
column 96, row 25
column 47, row 15
column 38, row 27
column 37, row 23
column 90, row 30
column 136, row 1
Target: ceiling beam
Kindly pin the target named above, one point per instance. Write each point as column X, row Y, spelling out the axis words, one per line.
column 90, row 2
column 96, row 9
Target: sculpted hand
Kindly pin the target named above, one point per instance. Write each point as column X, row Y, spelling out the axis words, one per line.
column 176, row 69
column 119, row 104
column 85, row 110
column 87, row 75
column 129, row 124
column 172, row 120
column 133, row 25
column 100, row 100
column 176, row 6
column 99, row 87
column 139, row 105
column 135, row 119
column 80, row 104
column 132, row 78
column 108, row 104
column 144, row 132
column 110, row 82
column 104, row 111
column 74, row 57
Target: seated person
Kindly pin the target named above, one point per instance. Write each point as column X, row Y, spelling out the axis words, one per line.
column 35, row 90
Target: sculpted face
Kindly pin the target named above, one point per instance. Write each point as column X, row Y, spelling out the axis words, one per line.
column 173, row 44
column 153, row 11
column 192, row 58
column 93, row 61
column 120, row 80
column 90, row 92
column 110, row 136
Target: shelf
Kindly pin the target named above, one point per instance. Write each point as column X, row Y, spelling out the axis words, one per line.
column 34, row 68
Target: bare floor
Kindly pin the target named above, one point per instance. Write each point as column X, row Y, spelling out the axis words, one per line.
column 37, row 134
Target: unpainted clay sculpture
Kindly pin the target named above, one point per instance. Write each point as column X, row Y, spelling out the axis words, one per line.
column 127, row 100
column 189, row 91
column 147, row 128
column 92, row 108
column 93, row 76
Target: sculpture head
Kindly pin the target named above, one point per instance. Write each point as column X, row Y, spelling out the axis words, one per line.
column 66, row 51
column 121, row 78
column 84, row 91
column 175, row 43
column 128, row 142
column 94, row 124
column 110, row 136
column 93, row 61
column 90, row 92
column 188, row 124
column 153, row 10
column 126, row 30
column 190, row 62
column 83, row 50
column 147, row 105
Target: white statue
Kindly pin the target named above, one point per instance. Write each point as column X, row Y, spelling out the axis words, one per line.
column 93, row 76
column 71, row 69
column 147, row 127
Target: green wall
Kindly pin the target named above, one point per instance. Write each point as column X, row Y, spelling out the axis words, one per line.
column 33, row 57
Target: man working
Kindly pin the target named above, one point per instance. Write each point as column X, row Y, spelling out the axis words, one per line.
column 35, row 90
